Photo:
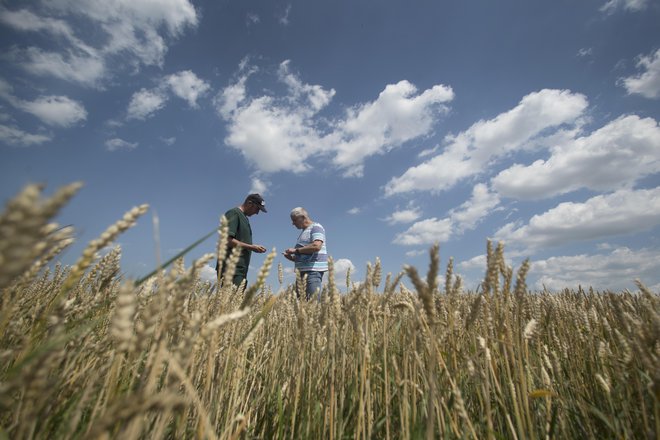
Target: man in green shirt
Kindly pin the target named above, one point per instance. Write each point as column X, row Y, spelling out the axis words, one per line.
column 240, row 234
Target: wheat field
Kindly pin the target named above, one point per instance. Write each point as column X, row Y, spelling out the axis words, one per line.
column 87, row 353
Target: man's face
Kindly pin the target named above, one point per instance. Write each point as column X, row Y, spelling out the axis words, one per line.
column 298, row 221
column 252, row 209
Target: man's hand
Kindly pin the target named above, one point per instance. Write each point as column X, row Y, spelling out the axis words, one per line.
column 258, row 248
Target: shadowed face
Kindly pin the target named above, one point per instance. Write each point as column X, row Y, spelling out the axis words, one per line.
column 298, row 221
column 251, row 208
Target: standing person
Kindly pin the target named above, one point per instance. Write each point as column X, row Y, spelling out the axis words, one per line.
column 310, row 253
column 240, row 234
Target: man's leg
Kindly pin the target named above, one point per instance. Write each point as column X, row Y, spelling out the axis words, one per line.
column 314, row 281
column 238, row 279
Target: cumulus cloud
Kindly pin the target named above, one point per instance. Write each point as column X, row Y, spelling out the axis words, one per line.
column 14, row 136
column 258, row 186
column 136, row 29
column 86, row 70
column 186, row 85
column 628, row 146
column 228, row 100
column 415, row 253
column 354, row 211
column 398, row 115
column 208, row 274
column 282, row 133
column 53, row 110
column 478, row 262
column 79, row 63
column 404, row 216
column 168, row 140
column 646, row 83
column 273, row 137
column 145, row 103
column 619, row 213
column 119, row 144
column 341, row 266
column 425, row 232
column 614, row 271
column 316, row 96
column 471, row 152
column 480, row 205
column 465, row 217
column 274, row 134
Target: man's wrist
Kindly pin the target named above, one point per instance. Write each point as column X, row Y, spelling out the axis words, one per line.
column 297, row 251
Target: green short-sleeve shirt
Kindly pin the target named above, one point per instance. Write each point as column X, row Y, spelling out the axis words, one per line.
column 239, row 228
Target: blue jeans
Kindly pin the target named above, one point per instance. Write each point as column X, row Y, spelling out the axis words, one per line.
column 314, row 281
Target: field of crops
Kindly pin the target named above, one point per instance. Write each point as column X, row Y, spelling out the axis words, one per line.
column 85, row 353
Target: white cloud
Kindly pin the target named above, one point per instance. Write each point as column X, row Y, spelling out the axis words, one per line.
column 25, row 20
column 252, row 19
column 430, row 231
column 478, row 262
column 186, row 85
column 145, row 103
column 16, row 137
column 427, row 232
column 341, row 266
column 612, row 271
column 395, row 117
column 258, row 186
column 86, row 70
column 79, row 63
column 354, row 211
column 130, row 28
column 168, row 140
column 646, row 83
column 53, row 110
column 416, row 253
column 283, row 133
column 470, row 213
column 471, row 152
column 619, row 213
column 228, row 100
column 627, row 146
column 133, row 26
column 208, row 273
column 119, row 144
column 273, row 134
column 630, row 5
column 404, row 216
column 315, row 94
column 284, row 19
column 272, row 137
column 585, row 52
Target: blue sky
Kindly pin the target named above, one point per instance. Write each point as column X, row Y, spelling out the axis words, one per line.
column 396, row 125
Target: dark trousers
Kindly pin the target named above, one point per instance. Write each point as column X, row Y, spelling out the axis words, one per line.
column 236, row 280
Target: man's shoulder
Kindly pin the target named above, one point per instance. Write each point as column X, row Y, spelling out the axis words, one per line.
column 317, row 228
column 233, row 212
